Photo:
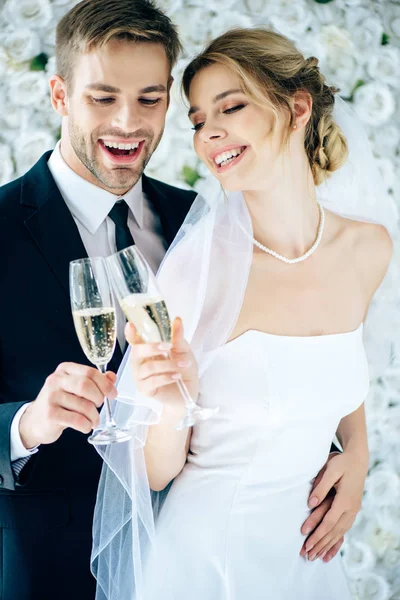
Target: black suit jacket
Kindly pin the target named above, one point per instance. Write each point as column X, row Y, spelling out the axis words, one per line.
column 46, row 517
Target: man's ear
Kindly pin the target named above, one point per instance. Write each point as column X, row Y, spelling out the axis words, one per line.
column 58, row 91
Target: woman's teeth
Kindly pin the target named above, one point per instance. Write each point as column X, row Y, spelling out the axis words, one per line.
column 226, row 157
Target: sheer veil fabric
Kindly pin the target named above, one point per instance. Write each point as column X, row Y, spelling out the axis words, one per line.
column 203, row 279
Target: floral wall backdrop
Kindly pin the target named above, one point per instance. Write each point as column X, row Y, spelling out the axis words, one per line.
column 358, row 44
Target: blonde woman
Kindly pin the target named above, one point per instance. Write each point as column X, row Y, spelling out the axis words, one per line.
column 283, row 336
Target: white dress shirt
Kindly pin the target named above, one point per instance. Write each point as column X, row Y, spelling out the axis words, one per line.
column 89, row 206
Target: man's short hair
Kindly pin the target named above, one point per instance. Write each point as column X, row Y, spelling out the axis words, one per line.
column 93, row 23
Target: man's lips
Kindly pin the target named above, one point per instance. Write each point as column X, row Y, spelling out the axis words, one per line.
column 119, row 155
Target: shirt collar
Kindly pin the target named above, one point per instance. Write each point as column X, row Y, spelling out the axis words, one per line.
column 88, row 203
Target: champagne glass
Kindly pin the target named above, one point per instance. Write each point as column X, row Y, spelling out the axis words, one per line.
column 141, row 300
column 93, row 312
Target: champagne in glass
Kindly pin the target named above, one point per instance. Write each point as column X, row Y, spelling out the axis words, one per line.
column 140, row 299
column 93, row 312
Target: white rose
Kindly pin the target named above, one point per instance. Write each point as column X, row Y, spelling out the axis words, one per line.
column 172, row 6
column 391, row 425
column 374, row 103
column 328, row 13
column 391, row 558
column 336, row 39
column 21, row 44
column 387, row 170
column 49, row 39
column 385, row 66
column 6, row 164
column 372, row 587
column 338, row 60
column 358, row 557
column 51, row 66
column 220, row 6
column 391, row 19
column 383, row 487
column 229, row 20
column 28, row 89
column 29, row 147
column 288, row 17
column 12, row 115
column 193, row 28
column 366, row 28
column 386, row 141
column 28, row 13
column 4, row 60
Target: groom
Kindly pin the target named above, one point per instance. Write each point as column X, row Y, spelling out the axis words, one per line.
column 88, row 197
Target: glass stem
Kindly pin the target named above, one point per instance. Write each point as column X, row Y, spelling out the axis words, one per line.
column 110, row 423
column 189, row 402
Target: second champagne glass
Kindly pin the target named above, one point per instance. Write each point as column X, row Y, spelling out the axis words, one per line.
column 93, row 312
column 141, row 300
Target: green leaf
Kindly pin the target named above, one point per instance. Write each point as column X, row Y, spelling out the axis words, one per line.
column 323, row 1
column 190, row 176
column 385, row 39
column 39, row 62
column 359, row 83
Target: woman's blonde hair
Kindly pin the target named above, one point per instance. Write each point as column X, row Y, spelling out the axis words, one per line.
column 272, row 71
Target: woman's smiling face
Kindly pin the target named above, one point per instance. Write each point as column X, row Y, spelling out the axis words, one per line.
column 238, row 140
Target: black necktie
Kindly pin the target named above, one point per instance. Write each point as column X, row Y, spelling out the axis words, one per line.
column 119, row 214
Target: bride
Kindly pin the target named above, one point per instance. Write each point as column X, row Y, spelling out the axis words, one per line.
column 273, row 284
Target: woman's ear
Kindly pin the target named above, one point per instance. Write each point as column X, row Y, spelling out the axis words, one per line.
column 302, row 108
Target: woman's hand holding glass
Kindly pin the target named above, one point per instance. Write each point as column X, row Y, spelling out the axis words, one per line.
column 144, row 306
column 158, row 366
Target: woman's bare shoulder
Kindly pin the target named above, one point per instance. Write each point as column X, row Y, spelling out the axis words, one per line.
column 371, row 246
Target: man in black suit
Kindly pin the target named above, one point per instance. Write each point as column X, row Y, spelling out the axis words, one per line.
column 86, row 198
column 114, row 60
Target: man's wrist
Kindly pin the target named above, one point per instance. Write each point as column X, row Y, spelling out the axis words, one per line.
column 20, row 446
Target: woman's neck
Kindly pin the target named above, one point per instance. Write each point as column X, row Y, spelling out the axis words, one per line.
column 285, row 217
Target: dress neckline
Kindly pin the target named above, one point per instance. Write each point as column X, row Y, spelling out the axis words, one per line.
column 312, row 338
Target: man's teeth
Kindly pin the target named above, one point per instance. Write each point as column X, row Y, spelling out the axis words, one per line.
column 121, row 146
column 225, row 157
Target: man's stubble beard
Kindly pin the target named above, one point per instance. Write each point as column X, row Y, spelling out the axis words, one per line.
column 127, row 177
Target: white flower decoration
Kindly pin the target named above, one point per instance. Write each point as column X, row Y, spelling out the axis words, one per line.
column 28, row 13
column 372, row 587
column 28, row 89
column 383, row 487
column 6, row 164
column 288, row 17
column 358, row 557
column 385, row 66
column 374, row 103
column 29, row 148
column 21, row 44
column 366, row 29
column 4, row 60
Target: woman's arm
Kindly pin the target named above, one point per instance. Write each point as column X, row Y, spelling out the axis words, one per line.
column 156, row 375
column 352, row 435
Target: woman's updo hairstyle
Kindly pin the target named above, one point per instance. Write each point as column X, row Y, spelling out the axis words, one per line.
column 272, row 71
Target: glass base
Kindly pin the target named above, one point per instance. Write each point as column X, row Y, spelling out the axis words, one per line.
column 109, row 435
column 197, row 414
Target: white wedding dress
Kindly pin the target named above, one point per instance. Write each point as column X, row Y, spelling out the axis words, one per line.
column 230, row 525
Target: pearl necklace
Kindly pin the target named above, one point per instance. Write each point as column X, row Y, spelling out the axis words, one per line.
column 291, row 261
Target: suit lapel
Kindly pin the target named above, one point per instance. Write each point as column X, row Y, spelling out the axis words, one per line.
column 50, row 222
column 52, row 227
column 164, row 206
